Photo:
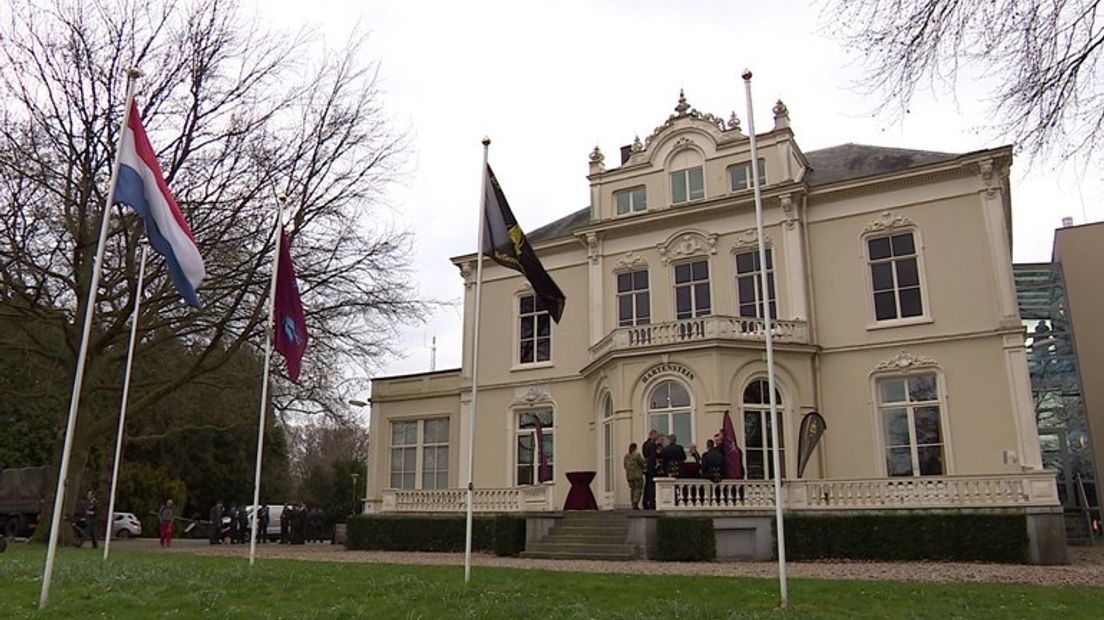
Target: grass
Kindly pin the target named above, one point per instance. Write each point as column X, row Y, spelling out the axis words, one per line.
column 143, row 584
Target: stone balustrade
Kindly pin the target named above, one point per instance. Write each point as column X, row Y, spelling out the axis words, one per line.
column 713, row 327
column 535, row 498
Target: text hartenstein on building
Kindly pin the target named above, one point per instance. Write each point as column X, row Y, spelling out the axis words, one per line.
column 895, row 315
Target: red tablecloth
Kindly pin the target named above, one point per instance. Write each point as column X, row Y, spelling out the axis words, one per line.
column 580, row 497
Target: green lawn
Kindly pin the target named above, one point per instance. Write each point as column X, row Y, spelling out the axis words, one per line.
column 138, row 584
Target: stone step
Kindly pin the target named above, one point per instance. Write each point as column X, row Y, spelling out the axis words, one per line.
column 585, row 539
column 567, row 555
column 563, row 547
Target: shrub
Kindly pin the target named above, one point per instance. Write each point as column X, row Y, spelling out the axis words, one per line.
column 435, row 533
column 958, row 537
column 685, row 539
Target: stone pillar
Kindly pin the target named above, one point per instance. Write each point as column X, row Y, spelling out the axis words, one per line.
column 1023, row 409
column 793, row 248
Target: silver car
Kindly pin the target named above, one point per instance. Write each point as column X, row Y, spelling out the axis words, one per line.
column 126, row 525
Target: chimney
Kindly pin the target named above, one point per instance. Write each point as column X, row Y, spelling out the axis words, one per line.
column 1067, row 222
column 625, row 152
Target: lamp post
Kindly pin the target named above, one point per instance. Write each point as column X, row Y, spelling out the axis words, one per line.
column 356, row 502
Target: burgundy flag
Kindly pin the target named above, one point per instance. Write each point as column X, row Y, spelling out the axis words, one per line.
column 544, row 472
column 733, row 456
column 291, row 323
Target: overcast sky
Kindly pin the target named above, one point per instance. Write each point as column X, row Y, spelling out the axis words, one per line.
column 548, row 81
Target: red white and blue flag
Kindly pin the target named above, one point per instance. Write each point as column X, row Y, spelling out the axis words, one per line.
column 291, row 322
column 142, row 186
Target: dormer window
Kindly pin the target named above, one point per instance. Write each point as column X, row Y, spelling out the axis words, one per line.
column 630, row 200
column 687, row 184
column 739, row 176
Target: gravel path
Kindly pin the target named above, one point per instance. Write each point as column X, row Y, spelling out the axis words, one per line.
column 1087, row 568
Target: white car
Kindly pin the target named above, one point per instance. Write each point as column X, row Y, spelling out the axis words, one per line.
column 126, row 525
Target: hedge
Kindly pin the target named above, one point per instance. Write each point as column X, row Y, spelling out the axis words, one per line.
column 956, row 537
column 503, row 534
column 685, row 539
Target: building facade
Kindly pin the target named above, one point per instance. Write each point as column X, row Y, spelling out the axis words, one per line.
column 896, row 318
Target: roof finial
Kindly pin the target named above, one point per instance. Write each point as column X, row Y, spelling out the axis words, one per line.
column 637, row 145
column 596, row 155
column 682, row 108
column 781, row 115
column 733, row 122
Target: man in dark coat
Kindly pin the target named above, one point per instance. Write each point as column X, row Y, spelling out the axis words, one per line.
column 262, row 524
column 285, row 523
column 91, row 507
column 712, row 462
column 649, row 452
column 216, row 524
column 674, row 455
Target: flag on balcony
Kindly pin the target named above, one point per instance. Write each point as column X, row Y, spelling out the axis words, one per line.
column 505, row 244
column 812, row 427
column 733, row 456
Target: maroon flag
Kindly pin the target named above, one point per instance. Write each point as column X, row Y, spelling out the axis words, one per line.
column 544, row 471
column 733, row 456
column 291, row 323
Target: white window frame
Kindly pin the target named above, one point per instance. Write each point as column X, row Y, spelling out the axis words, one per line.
column 763, row 412
column 605, row 419
column 419, row 447
column 518, row 315
column 757, row 293
column 617, row 295
column 879, row 422
column 925, row 299
column 747, row 175
column 685, row 173
column 632, row 193
column 693, row 296
column 670, row 411
column 549, row 430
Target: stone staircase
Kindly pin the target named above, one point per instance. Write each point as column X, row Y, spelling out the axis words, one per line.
column 589, row 535
column 1077, row 529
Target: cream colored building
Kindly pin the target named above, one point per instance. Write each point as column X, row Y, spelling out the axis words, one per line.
column 897, row 319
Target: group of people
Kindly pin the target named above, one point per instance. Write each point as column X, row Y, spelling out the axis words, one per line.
column 300, row 524
column 232, row 524
column 663, row 456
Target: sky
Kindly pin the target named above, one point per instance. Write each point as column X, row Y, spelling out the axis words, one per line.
column 548, row 81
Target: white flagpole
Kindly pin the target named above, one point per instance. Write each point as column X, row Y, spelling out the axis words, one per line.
column 264, row 386
column 475, row 362
column 78, row 376
column 769, row 339
column 123, row 406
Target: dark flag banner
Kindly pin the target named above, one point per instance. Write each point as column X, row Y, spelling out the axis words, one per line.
column 291, row 324
column 544, row 472
column 733, row 456
column 506, row 245
column 812, row 427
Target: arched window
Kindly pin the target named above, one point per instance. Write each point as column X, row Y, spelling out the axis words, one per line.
column 607, row 442
column 757, row 431
column 669, row 410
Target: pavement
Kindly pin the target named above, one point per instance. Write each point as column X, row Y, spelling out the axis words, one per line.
column 1086, row 568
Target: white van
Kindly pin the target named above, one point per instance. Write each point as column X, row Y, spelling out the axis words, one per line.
column 275, row 513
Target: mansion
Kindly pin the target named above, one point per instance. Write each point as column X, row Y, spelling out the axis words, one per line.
column 896, row 317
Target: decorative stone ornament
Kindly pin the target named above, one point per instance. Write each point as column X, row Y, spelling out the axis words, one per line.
column 687, row 244
column 887, row 221
column 592, row 247
column 682, row 107
column 789, row 214
column 637, row 145
column 905, row 361
column 531, row 395
column 733, row 122
column 596, row 156
column 781, row 115
column 629, row 260
column 748, row 240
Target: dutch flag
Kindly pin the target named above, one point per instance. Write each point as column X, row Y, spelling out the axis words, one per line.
column 141, row 186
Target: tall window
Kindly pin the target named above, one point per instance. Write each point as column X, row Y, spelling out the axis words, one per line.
column 749, row 286
column 633, row 300
column 688, row 184
column 739, row 176
column 631, row 200
column 910, row 414
column 420, row 453
column 895, row 275
column 535, row 331
column 669, row 410
column 758, row 441
column 607, row 443
column 692, row 289
column 526, row 432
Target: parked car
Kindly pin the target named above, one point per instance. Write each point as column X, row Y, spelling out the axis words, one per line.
column 126, row 525
column 275, row 512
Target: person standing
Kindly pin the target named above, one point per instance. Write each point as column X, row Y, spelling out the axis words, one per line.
column 262, row 524
column 216, row 524
column 673, row 456
column 285, row 524
column 634, row 472
column 650, row 452
column 165, row 522
column 91, row 506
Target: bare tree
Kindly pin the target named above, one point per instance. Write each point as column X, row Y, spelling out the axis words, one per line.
column 240, row 114
column 1043, row 58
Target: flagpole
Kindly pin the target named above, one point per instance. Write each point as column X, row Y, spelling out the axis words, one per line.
column 769, row 340
column 123, row 405
column 78, row 376
column 264, row 383
column 475, row 362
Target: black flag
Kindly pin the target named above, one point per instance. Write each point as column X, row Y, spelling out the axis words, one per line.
column 506, row 245
column 812, row 427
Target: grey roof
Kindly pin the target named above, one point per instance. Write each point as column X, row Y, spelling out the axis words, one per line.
column 562, row 227
column 854, row 161
column 836, row 163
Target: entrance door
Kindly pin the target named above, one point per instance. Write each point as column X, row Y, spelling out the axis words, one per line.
column 1056, row 458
